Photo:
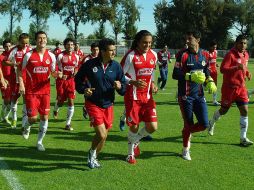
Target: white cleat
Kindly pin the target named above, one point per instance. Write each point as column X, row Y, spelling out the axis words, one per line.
column 25, row 133
column 40, row 147
column 211, row 128
column 215, row 103
column 186, row 155
column 245, row 142
column 92, row 162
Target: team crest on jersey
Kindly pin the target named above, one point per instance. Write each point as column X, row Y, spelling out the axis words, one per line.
column 47, row 61
column 65, row 59
column 129, row 119
column 152, row 62
column 95, row 69
column 203, row 63
column 19, row 54
column 239, row 60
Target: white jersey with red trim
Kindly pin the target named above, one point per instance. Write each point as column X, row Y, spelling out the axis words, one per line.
column 139, row 66
column 212, row 60
column 38, row 68
column 67, row 63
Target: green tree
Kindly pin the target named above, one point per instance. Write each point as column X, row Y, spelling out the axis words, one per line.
column 40, row 11
column 14, row 9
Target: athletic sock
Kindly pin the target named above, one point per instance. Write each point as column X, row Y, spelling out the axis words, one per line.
column 243, row 126
column 70, row 113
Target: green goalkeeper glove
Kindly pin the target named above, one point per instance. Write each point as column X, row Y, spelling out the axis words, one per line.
column 210, row 86
column 197, row 77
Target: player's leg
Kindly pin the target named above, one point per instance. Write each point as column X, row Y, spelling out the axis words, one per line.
column 122, row 120
column 164, row 78
column 70, row 113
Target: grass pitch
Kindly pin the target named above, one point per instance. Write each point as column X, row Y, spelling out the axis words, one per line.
column 218, row 162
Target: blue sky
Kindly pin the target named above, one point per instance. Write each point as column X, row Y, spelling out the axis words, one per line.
column 58, row 30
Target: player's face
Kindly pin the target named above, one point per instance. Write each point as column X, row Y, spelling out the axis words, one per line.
column 110, row 53
column 212, row 48
column 241, row 46
column 95, row 51
column 69, row 47
column 7, row 47
column 192, row 42
column 41, row 41
column 145, row 43
column 24, row 42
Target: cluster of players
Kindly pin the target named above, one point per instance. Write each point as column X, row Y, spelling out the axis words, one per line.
column 26, row 71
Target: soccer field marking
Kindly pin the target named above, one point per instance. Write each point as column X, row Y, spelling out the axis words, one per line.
column 10, row 176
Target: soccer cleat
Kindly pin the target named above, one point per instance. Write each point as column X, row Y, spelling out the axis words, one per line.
column 6, row 120
column 186, row 155
column 40, row 147
column 85, row 114
column 245, row 142
column 136, row 149
column 25, row 132
column 121, row 125
column 216, row 103
column 92, row 162
column 55, row 114
column 68, row 128
column 211, row 128
column 14, row 124
column 147, row 138
column 131, row 159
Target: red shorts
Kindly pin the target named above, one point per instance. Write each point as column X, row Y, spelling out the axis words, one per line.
column 65, row 89
column 230, row 95
column 213, row 74
column 137, row 112
column 100, row 115
column 37, row 103
column 14, row 91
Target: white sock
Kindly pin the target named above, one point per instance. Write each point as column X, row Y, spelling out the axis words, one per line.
column 8, row 110
column 42, row 131
column 132, row 138
column 216, row 117
column 70, row 113
column 93, row 153
column 214, row 97
column 243, row 126
column 56, row 107
column 142, row 133
column 24, row 115
column 14, row 111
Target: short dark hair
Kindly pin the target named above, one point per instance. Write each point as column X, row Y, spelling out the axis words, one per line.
column 213, row 43
column 58, row 43
column 23, row 36
column 94, row 45
column 241, row 37
column 138, row 37
column 67, row 40
column 104, row 43
column 38, row 33
column 194, row 33
column 6, row 41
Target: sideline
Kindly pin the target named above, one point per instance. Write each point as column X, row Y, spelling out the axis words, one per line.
column 10, row 176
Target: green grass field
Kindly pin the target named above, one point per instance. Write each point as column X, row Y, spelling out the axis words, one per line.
column 218, row 162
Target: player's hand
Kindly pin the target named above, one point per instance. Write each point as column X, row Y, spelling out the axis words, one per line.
column 64, row 77
column 210, row 86
column 21, row 89
column 248, row 75
column 4, row 83
column 117, row 85
column 88, row 92
column 217, row 65
column 154, row 88
column 197, row 77
column 60, row 74
column 139, row 83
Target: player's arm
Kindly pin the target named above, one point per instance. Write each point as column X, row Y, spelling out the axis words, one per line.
column 178, row 73
column 4, row 82
column 226, row 65
column 10, row 61
column 120, row 84
column 54, row 73
column 19, row 73
column 80, row 86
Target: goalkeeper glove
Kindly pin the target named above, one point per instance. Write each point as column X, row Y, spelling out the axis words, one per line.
column 210, row 86
column 197, row 77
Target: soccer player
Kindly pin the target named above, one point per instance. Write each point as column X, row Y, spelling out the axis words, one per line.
column 191, row 71
column 163, row 60
column 79, row 52
column 94, row 53
column 57, row 50
column 212, row 67
column 6, row 71
column 235, row 72
column 105, row 76
column 138, row 65
column 38, row 64
column 68, row 64
column 14, row 60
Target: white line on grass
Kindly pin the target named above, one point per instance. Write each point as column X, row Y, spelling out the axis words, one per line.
column 10, row 176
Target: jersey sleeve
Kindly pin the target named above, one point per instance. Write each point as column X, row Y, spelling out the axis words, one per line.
column 79, row 78
column 59, row 62
column 226, row 64
column 178, row 73
column 53, row 64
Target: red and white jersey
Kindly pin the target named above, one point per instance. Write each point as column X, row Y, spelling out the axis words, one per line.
column 139, row 66
column 38, row 68
column 212, row 60
column 67, row 63
column 57, row 51
column 5, row 69
column 88, row 58
column 80, row 53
